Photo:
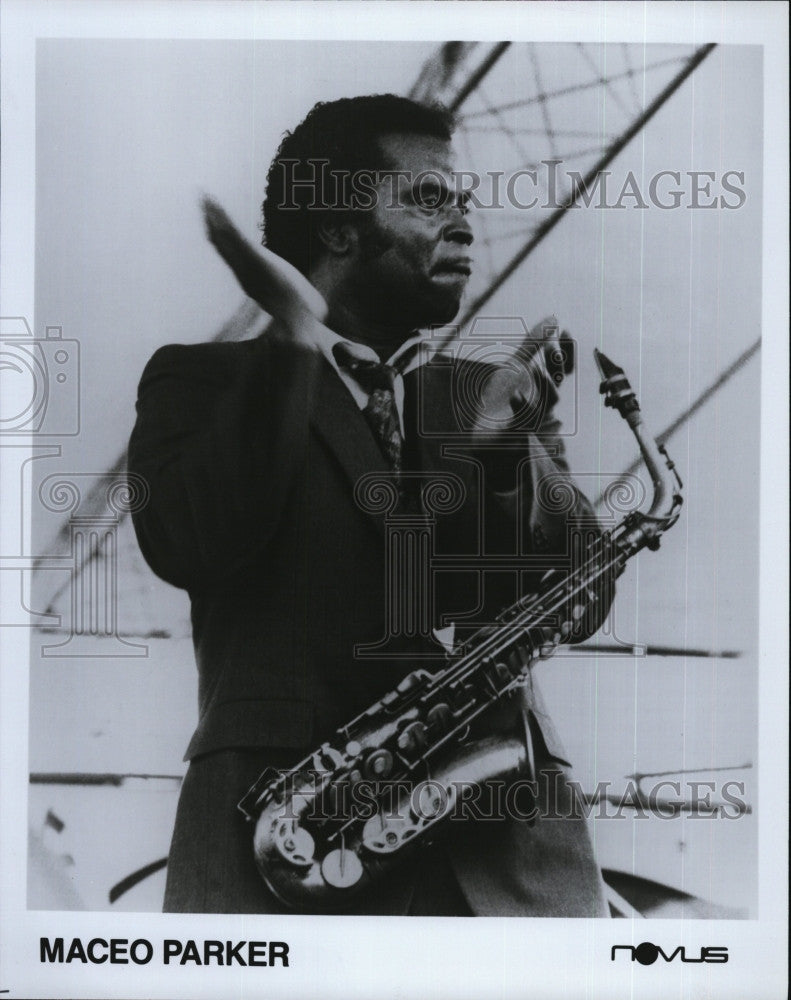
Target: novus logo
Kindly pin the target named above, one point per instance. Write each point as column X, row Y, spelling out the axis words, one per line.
column 647, row 953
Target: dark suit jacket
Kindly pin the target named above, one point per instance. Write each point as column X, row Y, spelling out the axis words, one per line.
column 252, row 451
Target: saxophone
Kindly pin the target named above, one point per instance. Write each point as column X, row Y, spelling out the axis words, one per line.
column 412, row 747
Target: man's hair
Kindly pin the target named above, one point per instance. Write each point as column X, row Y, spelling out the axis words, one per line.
column 344, row 133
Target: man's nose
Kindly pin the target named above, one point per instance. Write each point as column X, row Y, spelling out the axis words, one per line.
column 458, row 230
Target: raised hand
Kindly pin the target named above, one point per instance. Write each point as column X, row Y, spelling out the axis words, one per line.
column 277, row 286
column 528, row 382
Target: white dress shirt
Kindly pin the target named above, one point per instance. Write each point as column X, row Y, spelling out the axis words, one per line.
column 410, row 355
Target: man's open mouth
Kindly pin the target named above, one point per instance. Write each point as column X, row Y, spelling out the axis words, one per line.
column 463, row 265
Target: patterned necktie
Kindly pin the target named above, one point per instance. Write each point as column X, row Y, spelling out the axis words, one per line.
column 381, row 413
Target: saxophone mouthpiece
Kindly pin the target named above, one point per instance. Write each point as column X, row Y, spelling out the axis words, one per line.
column 615, row 387
column 607, row 368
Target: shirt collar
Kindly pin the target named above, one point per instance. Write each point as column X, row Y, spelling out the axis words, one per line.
column 413, row 353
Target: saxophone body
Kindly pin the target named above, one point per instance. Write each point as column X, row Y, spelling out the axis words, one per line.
column 389, row 780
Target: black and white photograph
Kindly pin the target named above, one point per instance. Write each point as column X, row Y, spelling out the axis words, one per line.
column 393, row 444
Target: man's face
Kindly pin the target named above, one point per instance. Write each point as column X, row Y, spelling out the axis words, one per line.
column 414, row 253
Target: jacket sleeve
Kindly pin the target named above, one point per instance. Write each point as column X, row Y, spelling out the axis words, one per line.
column 220, row 430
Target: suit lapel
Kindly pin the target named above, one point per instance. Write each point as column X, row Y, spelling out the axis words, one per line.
column 431, row 422
column 339, row 422
column 428, row 415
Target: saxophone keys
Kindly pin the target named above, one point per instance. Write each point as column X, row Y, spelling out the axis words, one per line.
column 431, row 801
column 378, row 764
column 412, row 737
column 412, row 681
column 439, row 717
column 327, row 758
column 295, row 844
column 341, row 868
column 462, row 695
column 462, row 736
column 387, row 836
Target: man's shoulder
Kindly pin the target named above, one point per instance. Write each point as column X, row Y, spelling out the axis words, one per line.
column 219, row 363
column 205, row 361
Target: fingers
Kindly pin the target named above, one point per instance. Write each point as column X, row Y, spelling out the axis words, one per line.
column 544, row 642
column 525, row 387
column 568, row 346
column 216, row 219
column 495, row 408
column 545, row 330
column 548, row 350
column 238, row 253
column 524, row 399
column 552, row 357
column 549, row 647
column 549, row 639
column 559, row 357
column 541, row 334
column 277, row 286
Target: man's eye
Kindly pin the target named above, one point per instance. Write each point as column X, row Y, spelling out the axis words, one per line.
column 430, row 196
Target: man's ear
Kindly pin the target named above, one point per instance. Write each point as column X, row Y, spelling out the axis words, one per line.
column 339, row 236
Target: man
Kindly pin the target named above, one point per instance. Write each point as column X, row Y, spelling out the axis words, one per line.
column 255, row 454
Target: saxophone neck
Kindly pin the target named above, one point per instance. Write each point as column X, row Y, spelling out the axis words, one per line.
column 667, row 484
